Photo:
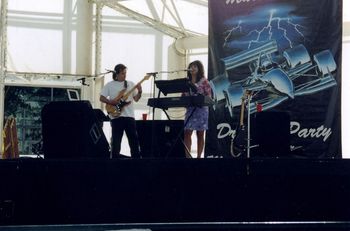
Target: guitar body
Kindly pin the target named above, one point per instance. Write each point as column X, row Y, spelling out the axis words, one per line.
column 238, row 146
column 116, row 110
column 239, row 143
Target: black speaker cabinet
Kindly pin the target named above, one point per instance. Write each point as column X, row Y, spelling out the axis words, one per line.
column 271, row 132
column 161, row 138
column 70, row 129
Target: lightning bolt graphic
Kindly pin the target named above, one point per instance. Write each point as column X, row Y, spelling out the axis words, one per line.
column 229, row 32
column 267, row 32
column 284, row 32
column 268, row 27
column 295, row 26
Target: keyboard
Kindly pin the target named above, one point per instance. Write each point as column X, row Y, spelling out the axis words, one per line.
column 182, row 101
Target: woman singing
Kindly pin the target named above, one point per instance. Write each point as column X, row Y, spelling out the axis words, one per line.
column 196, row 118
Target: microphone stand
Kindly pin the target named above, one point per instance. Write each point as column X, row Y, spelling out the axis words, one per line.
column 248, row 126
column 154, row 74
column 248, row 133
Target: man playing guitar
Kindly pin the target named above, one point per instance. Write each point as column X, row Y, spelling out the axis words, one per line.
column 118, row 95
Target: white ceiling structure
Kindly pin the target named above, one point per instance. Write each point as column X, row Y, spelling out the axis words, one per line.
column 184, row 20
column 169, row 17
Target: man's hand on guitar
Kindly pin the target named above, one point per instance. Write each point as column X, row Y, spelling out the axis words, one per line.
column 117, row 99
column 139, row 88
column 139, row 92
column 114, row 102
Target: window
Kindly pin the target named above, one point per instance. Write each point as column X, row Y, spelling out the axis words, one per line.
column 25, row 104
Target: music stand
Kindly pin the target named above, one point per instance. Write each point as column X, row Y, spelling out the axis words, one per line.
column 175, row 86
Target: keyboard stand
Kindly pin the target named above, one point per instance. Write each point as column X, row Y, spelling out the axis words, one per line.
column 175, row 86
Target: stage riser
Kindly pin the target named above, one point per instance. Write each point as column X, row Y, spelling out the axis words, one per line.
column 176, row 190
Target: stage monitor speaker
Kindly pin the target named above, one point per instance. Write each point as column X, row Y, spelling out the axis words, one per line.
column 271, row 132
column 161, row 138
column 70, row 129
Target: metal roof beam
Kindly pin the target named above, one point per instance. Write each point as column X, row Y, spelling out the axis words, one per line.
column 162, row 27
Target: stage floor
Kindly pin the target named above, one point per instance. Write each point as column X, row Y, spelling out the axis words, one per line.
column 98, row 191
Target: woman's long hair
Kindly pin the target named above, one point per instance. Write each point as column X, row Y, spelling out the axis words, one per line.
column 200, row 73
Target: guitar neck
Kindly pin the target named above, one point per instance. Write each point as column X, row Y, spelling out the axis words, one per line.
column 241, row 119
column 246, row 96
column 126, row 95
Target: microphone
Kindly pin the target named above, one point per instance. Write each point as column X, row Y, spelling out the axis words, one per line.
column 83, row 81
column 152, row 73
column 109, row 71
column 183, row 70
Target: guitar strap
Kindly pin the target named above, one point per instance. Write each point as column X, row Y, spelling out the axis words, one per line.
column 125, row 84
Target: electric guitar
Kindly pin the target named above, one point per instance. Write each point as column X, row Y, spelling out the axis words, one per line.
column 116, row 110
column 238, row 143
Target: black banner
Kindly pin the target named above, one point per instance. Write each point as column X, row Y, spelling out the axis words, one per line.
column 281, row 57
